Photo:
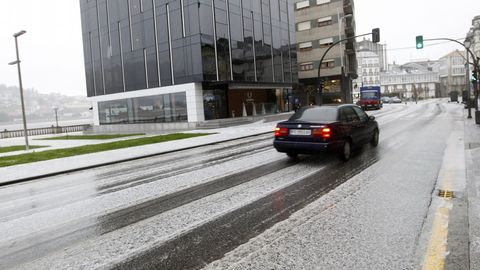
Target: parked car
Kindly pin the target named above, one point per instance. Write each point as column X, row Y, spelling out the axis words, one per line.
column 395, row 100
column 326, row 129
column 385, row 99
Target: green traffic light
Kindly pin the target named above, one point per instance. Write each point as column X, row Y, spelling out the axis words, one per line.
column 419, row 42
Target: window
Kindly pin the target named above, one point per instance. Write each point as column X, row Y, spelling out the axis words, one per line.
column 361, row 114
column 304, row 26
column 306, row 66
column 305, row 46
column 328, row 64
column 303, row 4
column 326, row 42
column 324, row 21
column 347, row 114
column 324, row 113
column 321, row 2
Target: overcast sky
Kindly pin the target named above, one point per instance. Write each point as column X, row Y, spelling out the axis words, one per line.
column 52, row 55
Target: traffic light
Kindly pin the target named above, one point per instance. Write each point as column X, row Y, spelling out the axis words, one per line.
column 419, row 42
column 375, row 35
column 474, row 76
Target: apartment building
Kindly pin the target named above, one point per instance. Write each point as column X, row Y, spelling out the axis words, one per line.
column 319, row 24
column 411, row 80
column 452, row 72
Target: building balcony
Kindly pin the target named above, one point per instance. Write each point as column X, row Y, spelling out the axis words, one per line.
column 350, row 27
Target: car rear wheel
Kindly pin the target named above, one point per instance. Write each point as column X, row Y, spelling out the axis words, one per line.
column 374, row 141
column 346, row 151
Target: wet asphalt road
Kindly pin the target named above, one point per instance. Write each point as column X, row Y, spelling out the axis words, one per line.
column 185, row 209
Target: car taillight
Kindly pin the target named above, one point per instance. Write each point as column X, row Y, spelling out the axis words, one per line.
column 281, row 132
column 324, row 132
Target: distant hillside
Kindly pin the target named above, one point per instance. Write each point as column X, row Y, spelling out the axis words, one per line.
column 39, row 107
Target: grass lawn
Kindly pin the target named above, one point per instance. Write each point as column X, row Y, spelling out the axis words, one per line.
column 93, row 148
column 14, row 148
column 92, row 137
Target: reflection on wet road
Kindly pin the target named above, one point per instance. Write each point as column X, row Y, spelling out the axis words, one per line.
column 182, row 209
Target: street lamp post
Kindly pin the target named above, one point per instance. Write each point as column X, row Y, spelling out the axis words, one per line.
column 342, row 69
column 340, row 20
column 55, row 109
column 17, row 62
column 467, row 67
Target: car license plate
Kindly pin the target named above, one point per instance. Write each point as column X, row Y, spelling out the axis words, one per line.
column 301, row 132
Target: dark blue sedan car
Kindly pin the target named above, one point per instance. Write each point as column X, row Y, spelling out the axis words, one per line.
column 328, row 128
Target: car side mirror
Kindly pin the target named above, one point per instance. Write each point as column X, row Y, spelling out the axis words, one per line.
column 371, row 117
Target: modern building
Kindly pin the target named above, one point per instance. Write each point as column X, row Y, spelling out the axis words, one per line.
column 188, row 60
column 452, row 73
column 319, row 24
column 411, row 81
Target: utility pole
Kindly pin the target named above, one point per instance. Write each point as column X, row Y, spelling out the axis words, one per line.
column 17, row 62
column 467, row 67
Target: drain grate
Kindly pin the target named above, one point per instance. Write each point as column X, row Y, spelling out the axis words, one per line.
column 445, row 193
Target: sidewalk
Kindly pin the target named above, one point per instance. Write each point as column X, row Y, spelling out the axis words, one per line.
column 29, row 171
column 472, row 156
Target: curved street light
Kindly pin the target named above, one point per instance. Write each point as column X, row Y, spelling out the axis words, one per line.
column 17, row 62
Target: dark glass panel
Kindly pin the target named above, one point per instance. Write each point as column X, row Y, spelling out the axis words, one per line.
column 152, row 68
column 176, row 20
column 179, row 107
column 89, row 79
column 113, row 112
column 223, row 52
column 208, row 58
column 97, row 66
column 179, row 67
column 215, row 104
column 138, row 32
column 237, row 42
column 163, row 46
column 134, row 70
column 148, row 29
column 160, row 108
column 192, row 18
column 207, row 42
column 135, row 7
column 248, row 42
column 117, row 11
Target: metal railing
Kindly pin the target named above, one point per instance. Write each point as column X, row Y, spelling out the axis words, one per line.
column 42, row 131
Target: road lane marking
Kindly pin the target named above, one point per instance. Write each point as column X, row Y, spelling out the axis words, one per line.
column 437, row 248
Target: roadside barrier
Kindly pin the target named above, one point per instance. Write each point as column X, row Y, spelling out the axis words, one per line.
column 42, row 131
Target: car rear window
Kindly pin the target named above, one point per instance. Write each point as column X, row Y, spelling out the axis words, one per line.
column 315, row 114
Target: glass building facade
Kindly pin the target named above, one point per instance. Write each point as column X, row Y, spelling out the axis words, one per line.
column 241, row 52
